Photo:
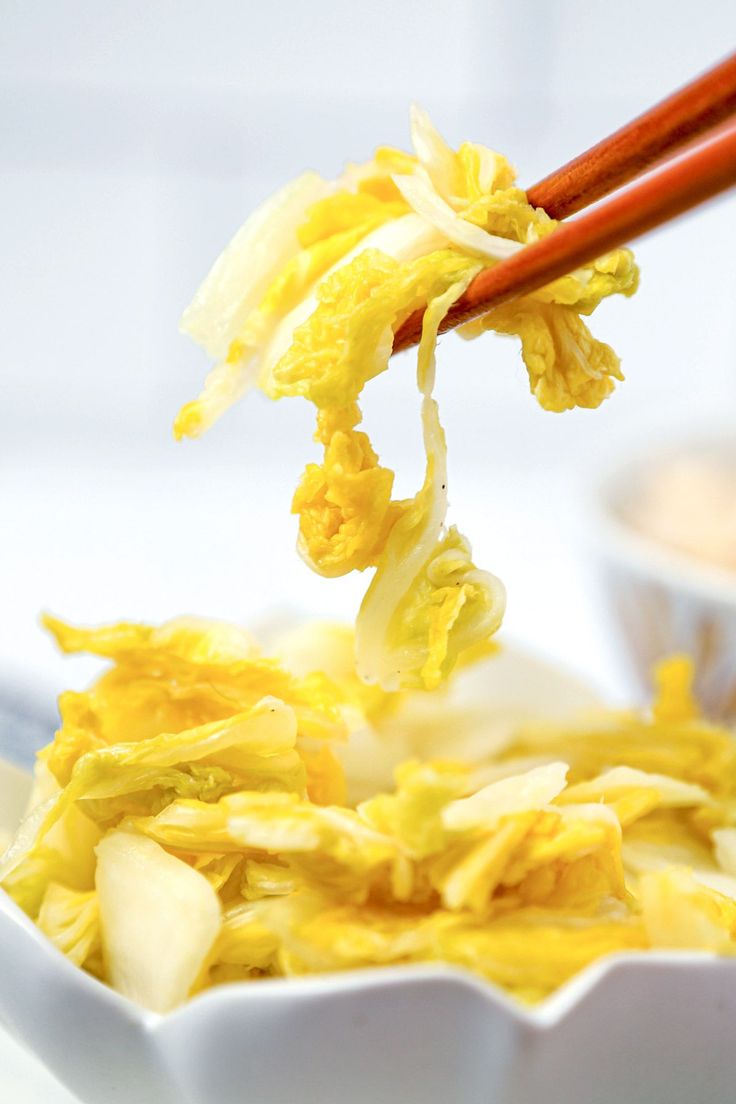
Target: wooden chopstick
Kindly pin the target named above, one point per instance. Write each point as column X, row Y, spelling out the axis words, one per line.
column 690, row 180
column 636, row 147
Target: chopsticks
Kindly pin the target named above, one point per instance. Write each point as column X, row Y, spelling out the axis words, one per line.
column 698, row 107
column 692, row 179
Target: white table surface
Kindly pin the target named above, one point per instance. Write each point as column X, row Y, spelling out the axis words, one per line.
column 23, row 1080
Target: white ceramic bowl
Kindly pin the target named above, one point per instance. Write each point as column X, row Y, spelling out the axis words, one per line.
column 661, row 600
column 654, row 1029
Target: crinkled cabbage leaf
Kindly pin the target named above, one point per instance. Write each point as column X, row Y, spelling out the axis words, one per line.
column 306, row 301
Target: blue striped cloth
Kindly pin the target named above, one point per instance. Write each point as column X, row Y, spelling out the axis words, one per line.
column 23, row 730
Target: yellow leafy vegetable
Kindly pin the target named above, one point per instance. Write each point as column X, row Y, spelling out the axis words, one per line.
column 681, row 914
column 567, row 842
column 71, row 920
column 344, row 504
column 159, row 920
column 427, row 601
column 399, row 233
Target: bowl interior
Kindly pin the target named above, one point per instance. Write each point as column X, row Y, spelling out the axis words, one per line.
column 619, row 496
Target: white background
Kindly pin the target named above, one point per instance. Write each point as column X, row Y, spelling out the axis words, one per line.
column 136, row 138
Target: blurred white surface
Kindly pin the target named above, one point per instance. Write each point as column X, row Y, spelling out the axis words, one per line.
column 138, row 136
column 24, row 1080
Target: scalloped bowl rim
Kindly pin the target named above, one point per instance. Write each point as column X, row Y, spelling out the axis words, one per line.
column 545, row 1016
column 541, row 1017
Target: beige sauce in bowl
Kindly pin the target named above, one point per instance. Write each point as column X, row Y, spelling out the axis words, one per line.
column 688, row 503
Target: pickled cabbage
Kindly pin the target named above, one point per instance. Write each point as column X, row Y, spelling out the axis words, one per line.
column 306, row 301
column 199, row 778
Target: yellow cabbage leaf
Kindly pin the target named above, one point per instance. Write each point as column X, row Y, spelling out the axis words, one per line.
column 71, row 920
column 344, row 504
column 159, row 920
column 679, row 913
column 427, row 602
column 348, row 339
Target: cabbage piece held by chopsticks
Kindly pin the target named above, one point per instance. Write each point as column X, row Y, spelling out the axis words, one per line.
column 305, row 302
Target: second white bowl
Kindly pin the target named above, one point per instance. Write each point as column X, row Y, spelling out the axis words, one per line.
column 660, row 600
